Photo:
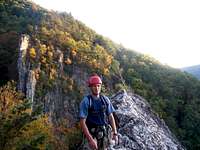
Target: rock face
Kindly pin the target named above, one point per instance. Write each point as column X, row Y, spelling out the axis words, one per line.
column 21, row 63
column 59, row 105
column 27, row 77
column 140, row 129
column 55, row 102
column 30, row 85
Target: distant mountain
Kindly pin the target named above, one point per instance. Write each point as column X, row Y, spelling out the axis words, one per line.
column 194, row 70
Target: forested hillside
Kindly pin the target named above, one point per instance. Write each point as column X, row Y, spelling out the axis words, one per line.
column 174, row 95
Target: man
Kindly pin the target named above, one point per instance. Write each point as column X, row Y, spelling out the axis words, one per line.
column 96, row 113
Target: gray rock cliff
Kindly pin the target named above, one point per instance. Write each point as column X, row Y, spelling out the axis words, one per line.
column 140, row 128
column 21, row 63
column 27, row 77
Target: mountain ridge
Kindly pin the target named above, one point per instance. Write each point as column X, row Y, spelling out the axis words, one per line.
column 194, row 70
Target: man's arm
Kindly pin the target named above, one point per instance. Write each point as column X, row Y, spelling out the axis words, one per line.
column 92, row 142
column 112, row 122
column 114, row 129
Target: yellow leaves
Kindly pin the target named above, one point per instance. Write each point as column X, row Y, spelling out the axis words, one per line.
column 71, row 42
column 109, row 59
column 14, row 108
column 94, row 63
column 8, row 99
column 68, row 61
column 95, row 57
column 82, row 46
column 40, row 126
column 32, row 52
column 46, row 53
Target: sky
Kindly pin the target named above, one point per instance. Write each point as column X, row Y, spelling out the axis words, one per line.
column 168, row 30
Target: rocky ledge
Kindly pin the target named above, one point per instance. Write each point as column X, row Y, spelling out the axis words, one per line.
column 140, row 128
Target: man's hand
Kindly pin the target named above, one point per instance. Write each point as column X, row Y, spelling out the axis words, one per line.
column 115, row 137
column 93, row 144
column 114, row 130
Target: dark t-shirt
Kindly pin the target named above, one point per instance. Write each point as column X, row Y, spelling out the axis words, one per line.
column 98, row 117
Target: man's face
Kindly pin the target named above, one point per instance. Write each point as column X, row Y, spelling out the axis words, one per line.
column 96, row 89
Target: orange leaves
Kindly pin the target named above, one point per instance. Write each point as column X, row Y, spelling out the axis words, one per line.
column 105, row 71
column 68, row 61
column 73, row 52
column 8, row 99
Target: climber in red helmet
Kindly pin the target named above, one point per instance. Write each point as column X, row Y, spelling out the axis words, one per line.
column 96, row 117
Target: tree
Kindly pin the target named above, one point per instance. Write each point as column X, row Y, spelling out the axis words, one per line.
column 20, row 127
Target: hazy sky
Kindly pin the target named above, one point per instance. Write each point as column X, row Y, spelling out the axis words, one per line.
column 168, row 30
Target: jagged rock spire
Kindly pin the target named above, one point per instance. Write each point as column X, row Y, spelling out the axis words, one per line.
column 21, row 63
column 27, row 77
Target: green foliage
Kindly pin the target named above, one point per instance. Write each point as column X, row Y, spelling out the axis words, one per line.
column 172, row 93
column 119, row 87
column 19, row 126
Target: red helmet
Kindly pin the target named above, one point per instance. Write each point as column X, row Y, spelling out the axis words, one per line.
column 95, row 79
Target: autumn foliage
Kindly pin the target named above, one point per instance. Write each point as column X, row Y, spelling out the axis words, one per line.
column 20, row 127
